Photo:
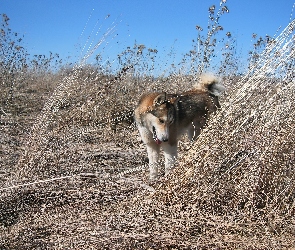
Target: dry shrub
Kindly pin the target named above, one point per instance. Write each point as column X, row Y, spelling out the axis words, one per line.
column 86, row 106
column 237, row 180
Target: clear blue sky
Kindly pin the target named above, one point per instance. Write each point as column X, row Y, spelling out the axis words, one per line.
column 63, row 26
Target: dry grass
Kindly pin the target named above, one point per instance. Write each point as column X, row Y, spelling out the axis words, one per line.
column 73, row 170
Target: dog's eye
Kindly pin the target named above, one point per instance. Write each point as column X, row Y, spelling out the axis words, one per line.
column 161, row 121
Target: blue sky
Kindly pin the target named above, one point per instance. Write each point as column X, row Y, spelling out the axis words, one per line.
column 67, row 26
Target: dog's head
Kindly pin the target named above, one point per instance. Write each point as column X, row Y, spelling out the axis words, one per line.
column 160, row 117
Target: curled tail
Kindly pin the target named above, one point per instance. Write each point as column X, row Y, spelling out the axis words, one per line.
column 211, row 83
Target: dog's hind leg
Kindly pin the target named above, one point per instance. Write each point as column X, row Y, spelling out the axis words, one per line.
column 170, row 153
column 153, row 151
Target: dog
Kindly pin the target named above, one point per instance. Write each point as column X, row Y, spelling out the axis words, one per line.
column 162, row 118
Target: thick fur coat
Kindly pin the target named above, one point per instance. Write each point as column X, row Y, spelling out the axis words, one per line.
column 162, row 118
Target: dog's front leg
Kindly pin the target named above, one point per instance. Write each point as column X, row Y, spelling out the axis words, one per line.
column 170, row 153
column 153, row 151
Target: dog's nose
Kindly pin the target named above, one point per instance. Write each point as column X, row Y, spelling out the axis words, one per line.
column 165, row 139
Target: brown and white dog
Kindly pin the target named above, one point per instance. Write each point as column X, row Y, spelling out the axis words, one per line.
column 162, row 118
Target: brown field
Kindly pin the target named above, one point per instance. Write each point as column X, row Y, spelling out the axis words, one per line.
column 70, row 181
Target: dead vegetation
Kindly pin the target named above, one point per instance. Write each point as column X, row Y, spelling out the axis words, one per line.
column 73, row 174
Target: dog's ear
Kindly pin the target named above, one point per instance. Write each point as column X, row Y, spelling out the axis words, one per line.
column 160, row 99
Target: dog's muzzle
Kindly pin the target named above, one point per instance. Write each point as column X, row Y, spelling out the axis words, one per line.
column 155, row 137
